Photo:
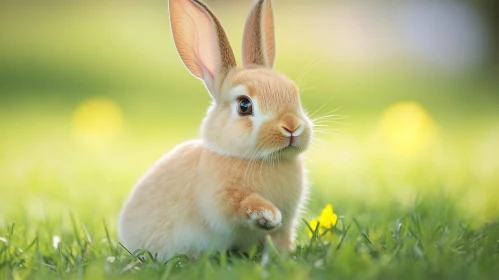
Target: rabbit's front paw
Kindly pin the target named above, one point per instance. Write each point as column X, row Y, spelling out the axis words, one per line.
column 267, row 219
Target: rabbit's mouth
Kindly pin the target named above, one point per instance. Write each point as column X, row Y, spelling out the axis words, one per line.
column 289, row 150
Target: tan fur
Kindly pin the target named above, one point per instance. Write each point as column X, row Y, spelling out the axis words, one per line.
column 290, row 122
column 258, row 38
column 245, row 178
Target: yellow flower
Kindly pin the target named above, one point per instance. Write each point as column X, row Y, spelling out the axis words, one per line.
column 327, row 220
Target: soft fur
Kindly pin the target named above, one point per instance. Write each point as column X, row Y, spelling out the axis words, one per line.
column 245, row 178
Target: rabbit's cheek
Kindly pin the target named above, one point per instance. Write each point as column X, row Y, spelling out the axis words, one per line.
column 244, row 125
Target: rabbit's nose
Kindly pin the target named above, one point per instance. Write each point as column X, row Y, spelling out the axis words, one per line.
column 291, row 125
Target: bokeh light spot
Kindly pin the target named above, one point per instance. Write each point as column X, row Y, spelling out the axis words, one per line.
column 97, row 122
column 407, row 129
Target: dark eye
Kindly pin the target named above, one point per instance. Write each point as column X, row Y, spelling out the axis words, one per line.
column 245, row 107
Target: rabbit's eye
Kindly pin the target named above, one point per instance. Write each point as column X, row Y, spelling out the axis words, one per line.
column 245, row 107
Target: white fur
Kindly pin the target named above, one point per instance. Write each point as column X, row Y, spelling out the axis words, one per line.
column 274, row 220
column 236, row 91
column 299, row 130
column 285, row 132
column 258, row 117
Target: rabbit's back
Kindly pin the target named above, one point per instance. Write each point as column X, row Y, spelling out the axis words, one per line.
column 160, row 215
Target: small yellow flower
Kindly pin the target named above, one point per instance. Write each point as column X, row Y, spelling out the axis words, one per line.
column 327, row 220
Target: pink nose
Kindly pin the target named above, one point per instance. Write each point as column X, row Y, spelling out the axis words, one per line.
column 289, row 130
column 290, row 123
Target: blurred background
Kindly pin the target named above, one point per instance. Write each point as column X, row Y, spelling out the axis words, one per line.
column 93, row 92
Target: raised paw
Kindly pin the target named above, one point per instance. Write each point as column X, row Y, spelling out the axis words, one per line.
column 266, row 219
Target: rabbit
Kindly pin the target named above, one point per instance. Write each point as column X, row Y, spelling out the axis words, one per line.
column 245, row 178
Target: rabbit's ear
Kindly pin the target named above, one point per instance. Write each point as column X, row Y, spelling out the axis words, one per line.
column 201, row 42
column 258, row 38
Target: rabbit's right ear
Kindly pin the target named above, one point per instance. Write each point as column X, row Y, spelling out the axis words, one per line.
column 258, row 38
column 201, row 42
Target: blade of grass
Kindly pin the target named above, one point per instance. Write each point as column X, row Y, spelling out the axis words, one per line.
column 342, row 237
column 364, row 234
column 75, row 230
column 109, row 241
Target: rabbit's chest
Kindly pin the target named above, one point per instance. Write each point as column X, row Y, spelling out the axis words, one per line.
column 284, row 186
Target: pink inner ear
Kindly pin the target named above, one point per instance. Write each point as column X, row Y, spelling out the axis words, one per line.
column 205, row 41
column 197, row 40
column 201, row 42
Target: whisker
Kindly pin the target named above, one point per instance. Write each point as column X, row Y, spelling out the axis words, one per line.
column 325, row 123
column 309, row 67
column 307, row 88
column 328, row 120
column 334, row 117
column 320, row 125
column 328, row 133
column 332, row 111
column 319, row 145
column 328, row 113
column 320, row 108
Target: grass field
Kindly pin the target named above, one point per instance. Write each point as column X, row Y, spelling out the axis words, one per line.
column 92, row 95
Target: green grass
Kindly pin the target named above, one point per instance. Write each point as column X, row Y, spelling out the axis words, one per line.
column 428, row 241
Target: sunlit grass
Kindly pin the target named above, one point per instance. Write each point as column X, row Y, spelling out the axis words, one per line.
column 425, row 244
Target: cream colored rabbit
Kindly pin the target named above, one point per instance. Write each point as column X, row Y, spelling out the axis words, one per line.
column 245, row 178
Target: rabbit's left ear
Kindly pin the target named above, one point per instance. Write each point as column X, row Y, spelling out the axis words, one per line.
column 258, row 38
column 201, row 42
